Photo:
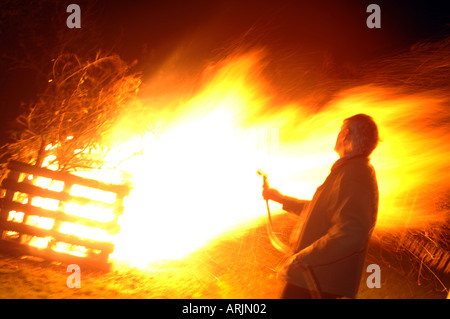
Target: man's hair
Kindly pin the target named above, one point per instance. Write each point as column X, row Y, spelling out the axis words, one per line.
column 363, row 132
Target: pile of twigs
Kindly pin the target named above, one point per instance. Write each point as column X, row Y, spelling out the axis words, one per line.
column 72, row 117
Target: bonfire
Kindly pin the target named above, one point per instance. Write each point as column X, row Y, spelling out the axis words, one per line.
column 190, row 158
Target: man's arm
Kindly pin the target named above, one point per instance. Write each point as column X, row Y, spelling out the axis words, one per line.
column 290, row 204
column 293, row 205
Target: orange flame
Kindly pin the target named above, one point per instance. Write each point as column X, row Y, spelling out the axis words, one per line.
column 194, row 177
column 197, row 177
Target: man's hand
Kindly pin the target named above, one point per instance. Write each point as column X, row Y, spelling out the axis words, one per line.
column 272, row 194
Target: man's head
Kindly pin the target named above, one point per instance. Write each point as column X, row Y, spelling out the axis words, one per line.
column 358, row 136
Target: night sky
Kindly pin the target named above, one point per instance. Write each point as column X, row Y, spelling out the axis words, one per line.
column 149, row 31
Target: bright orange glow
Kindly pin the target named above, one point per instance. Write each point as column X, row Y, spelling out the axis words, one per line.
column 93, row 211
column 85, row 232
column 194, row 176
column 197, row 177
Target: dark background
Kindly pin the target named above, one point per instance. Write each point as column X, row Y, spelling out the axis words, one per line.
column 313, row 32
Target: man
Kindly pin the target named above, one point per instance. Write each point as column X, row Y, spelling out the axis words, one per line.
column 334, row 228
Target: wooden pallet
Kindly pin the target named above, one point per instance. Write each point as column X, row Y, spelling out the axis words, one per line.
column 22, row 229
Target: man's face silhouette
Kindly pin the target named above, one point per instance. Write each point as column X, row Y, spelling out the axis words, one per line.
column 342, row 141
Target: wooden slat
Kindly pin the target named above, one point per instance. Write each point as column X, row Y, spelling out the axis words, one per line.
column 33, row 190
column 120, row 190
column 70, row 239
column 97, row 262
column 8, row 196
column 110, row 226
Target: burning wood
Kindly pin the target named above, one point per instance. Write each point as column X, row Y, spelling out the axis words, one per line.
column 37, row 216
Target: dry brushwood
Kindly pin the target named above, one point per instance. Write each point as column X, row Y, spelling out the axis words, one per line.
column 71, row 119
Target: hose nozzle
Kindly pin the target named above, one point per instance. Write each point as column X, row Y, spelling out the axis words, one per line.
column 264, row 175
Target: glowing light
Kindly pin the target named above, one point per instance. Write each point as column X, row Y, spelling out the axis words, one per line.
column 85, row 232
column 195, row 177
column 198, row 176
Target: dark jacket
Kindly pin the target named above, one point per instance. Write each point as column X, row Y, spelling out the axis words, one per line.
column 334, row 229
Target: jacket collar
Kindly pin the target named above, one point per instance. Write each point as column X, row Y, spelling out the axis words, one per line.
column 344, row 160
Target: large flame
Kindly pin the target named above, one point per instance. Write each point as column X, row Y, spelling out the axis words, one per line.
column 194, row 175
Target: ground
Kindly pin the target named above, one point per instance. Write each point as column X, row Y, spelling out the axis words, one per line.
column 238, row 264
